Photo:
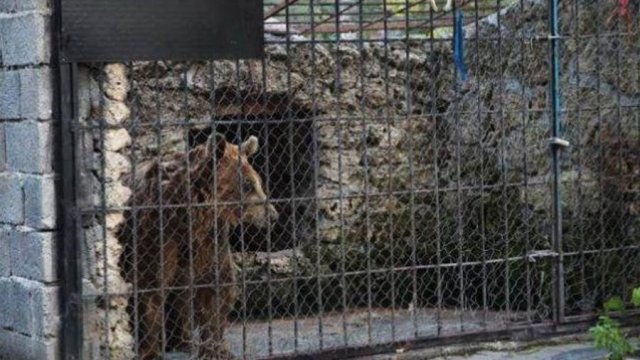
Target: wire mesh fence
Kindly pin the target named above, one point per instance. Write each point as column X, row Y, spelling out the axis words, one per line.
column 351, row 189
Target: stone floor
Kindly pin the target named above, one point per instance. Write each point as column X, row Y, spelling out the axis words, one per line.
column 355, row 328
column 570, row 351
column 580, row 350
column 282, row 336
column 575, row 347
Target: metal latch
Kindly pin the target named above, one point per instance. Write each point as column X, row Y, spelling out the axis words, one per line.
column 556, row 141
column 533, row 255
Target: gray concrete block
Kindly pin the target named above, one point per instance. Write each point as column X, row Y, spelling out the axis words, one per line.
column 40, row 201
column 25, row 39
column 13, row 307
column 29, row 146
column 12, row 6
column 9, row 93
column 5, row 259
column 3, row 153
column 20, row 347
column 12, row 200
column 14, row 236
column 45, row 310
column 31, row 307
column 37, row 5
column 7, row 6
column 33, row 256
column 36, row 93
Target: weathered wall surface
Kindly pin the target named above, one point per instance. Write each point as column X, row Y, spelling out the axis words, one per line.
column 104, row 164
column 29, row 286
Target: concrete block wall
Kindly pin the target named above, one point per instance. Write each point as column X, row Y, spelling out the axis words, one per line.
column 29, row 284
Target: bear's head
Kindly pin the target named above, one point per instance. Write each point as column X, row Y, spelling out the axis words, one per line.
column 240, row 190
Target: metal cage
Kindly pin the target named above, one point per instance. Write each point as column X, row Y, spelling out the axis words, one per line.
column 416, row 205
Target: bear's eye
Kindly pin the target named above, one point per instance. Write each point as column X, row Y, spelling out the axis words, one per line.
column 247, row 187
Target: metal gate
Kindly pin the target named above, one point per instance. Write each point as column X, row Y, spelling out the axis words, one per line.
column 388, row 176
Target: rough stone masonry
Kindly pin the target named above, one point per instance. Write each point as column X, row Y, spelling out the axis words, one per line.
column 29, row 305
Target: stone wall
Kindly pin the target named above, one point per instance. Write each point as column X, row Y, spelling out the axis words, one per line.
column 103, row 151
column 29, row 284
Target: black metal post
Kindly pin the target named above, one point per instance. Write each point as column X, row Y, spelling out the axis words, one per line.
column 556, row 143
column 69, row 245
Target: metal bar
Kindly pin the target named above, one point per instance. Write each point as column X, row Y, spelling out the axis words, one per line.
column 578, row 220
column 617, row 220
column 277, row 8
column 436, row 148
column 503, row 166
column 190, row 250
column 463, row 4
column 339, row 132
column 134, row 212
column 388, row 14
column 332, row 16
column 95, row 210
column 389, row 185
column 526, row 212
column 367, row 188
column 316, row 165
column 220, row 230
column 558, row 293
column 267, row 182
column 69, row 246
column 310, row 198
column 292, row 187
column 243, row 206
column 161, row 223
column 391, row 25
column 458, row 235
column 412, row 185
column 396, row 269
column 483, row 233
column 394, row 23
column 601, row 158
column 223, row 120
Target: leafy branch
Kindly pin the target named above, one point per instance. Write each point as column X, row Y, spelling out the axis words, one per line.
column 608, row 334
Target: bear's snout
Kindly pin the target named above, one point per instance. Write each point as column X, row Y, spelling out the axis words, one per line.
column 272, row 212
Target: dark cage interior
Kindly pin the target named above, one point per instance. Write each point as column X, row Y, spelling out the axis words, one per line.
column 413, row 205
column 285, row 161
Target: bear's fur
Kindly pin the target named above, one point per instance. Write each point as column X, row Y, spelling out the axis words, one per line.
column 177, row 250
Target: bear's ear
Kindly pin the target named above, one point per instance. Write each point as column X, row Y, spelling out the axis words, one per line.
column 217, row 143
column 250, row 146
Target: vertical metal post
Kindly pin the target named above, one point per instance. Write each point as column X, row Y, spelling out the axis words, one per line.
column 68, row 243
column 556, row 143
column 71, row 283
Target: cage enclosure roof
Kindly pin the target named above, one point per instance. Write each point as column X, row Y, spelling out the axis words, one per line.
column 309, row 17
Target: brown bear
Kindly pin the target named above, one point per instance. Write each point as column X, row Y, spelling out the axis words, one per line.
column 177, row 254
